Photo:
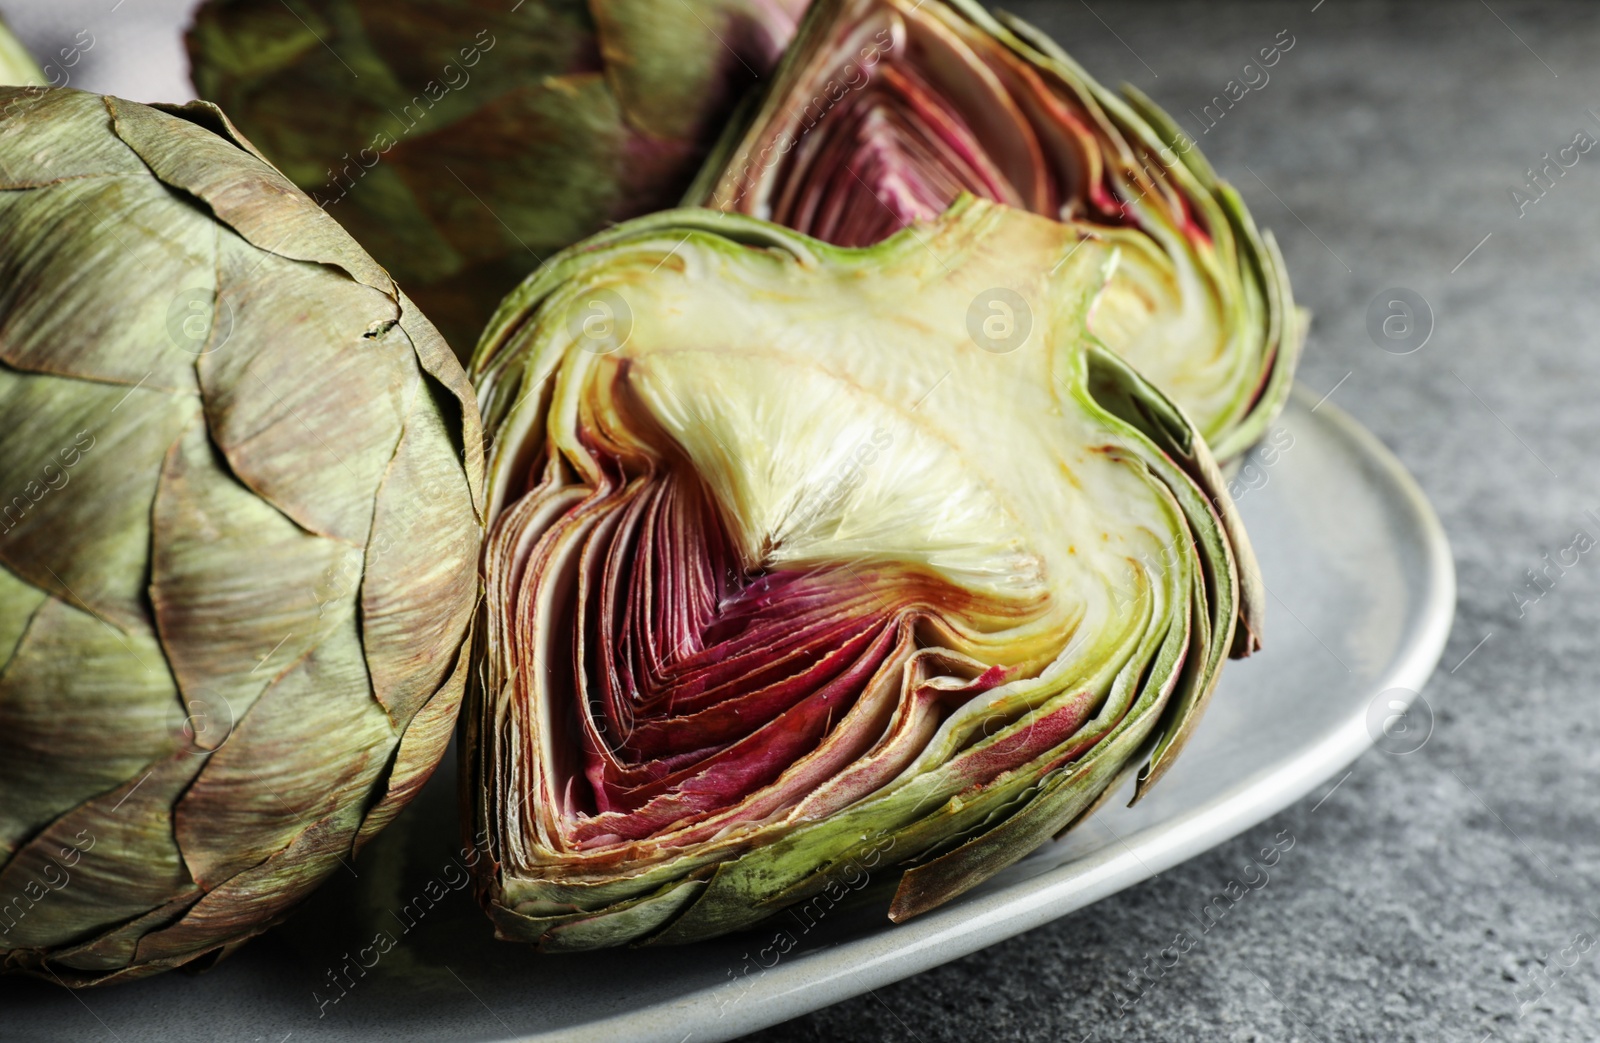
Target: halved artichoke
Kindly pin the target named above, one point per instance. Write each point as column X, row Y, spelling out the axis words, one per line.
column 807, row 561
column 462, row 142
column 883, row 111
column 238, row 533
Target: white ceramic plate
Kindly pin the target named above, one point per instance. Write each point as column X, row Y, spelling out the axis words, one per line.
column 1362, row 593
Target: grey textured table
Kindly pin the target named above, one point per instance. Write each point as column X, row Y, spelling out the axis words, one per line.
column 1438, row 896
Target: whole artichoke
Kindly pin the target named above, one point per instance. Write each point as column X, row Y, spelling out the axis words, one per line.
column 883, row 111
column 238, row 532
column 461, row 142
column 17, row 67
column 804, row 567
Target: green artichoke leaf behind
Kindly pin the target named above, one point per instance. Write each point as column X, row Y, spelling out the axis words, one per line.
column 17, row 67
column 462, row 144
column 242, row 488
column 809, row 562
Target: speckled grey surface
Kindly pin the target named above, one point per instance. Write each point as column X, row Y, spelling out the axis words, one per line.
column 1430, row 890
column 1431, row 897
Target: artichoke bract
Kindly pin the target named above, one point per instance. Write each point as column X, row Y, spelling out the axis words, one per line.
column 17, row 67
column 462, row 142
column 800, row 564
column 241, row 512
column 883, row 111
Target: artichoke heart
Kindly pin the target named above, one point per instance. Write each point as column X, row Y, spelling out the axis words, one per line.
column 807, row 559
column 884, row 111
column 240, row 503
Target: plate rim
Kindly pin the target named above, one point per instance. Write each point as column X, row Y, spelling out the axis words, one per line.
column 786, row 991
column 830, row 974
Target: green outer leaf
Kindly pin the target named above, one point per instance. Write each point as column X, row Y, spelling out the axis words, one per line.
column 1230, row 581
column 242, row 507
column 88, row 895
column 123, row 714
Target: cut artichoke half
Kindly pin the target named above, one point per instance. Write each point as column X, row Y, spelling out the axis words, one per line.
column 883, row 111
column 802, row 562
